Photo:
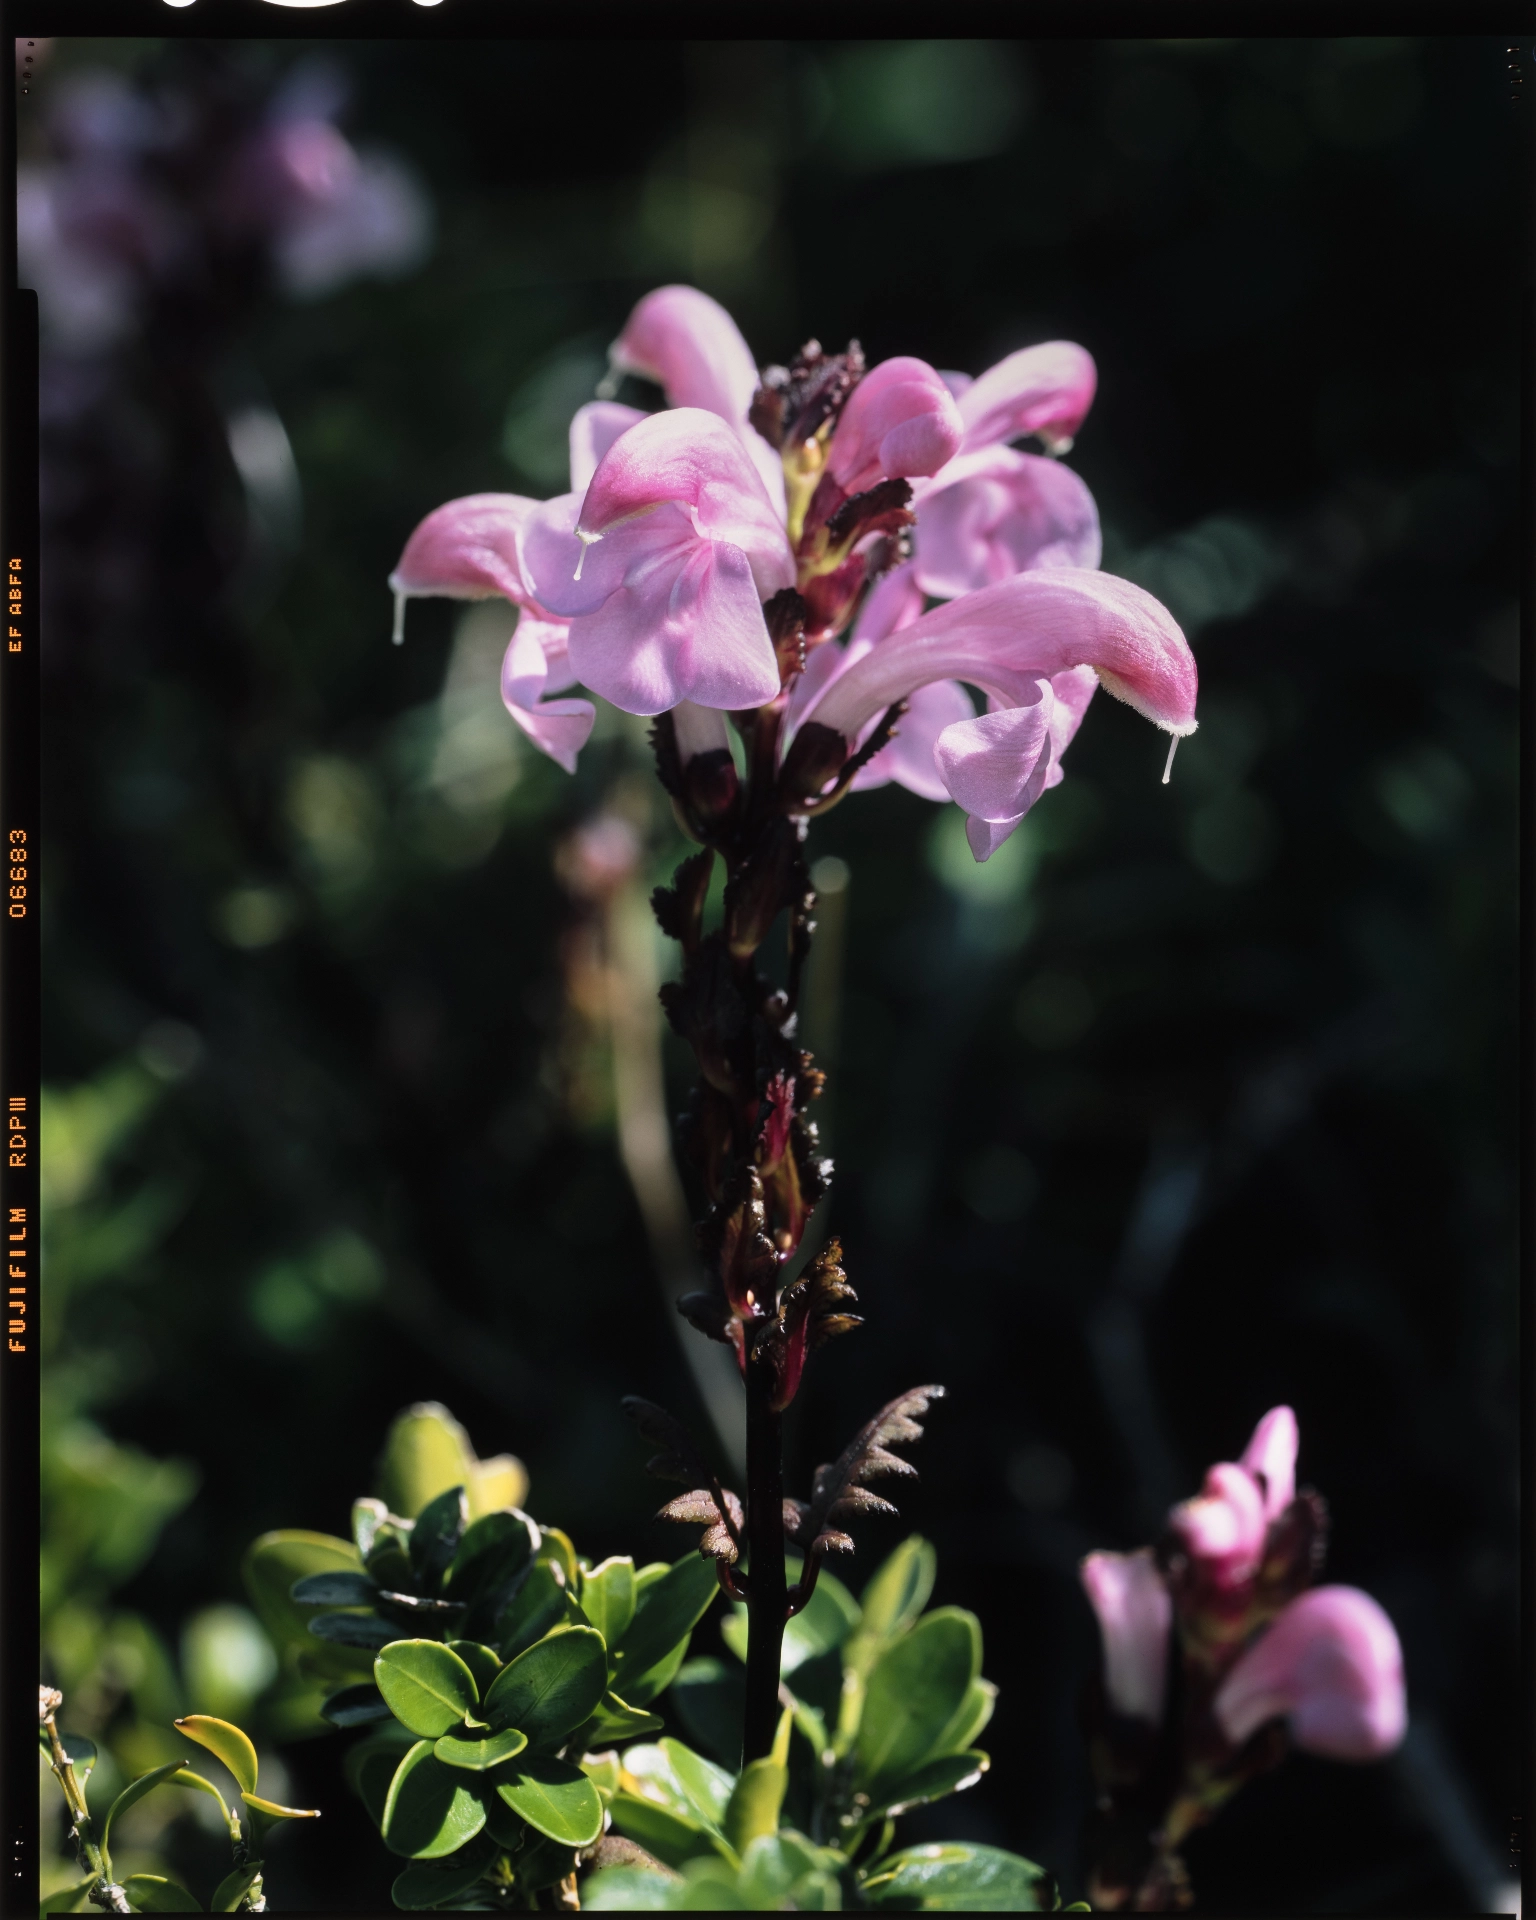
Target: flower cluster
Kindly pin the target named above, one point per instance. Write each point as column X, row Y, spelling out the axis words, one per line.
column 853, row 549
column 1216, row 1648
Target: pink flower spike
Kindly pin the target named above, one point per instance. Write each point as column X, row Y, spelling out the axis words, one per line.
column 1270, row 1457
column 533, row 658
column 900, row 422
column 469, row 549
column 1135, row 1615
column 1223, row 1527
column 1331, row 1664
column 594, row 428
column 996, row 512
column 1045, row 390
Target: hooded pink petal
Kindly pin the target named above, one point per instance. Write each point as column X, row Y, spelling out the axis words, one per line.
column 1270, row 1457
column 1045, row 390
column 594, row 428
column 469, row 549
column 900, row 421
column 1331, row 1664
column 994, row 513
column 995, row 766
column 1224, row 1526
column 1036, row 625
column 557, row 727
column 1135, row 1616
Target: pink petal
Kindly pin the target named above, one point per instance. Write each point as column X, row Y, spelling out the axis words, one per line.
column 1045, row 390
column 1223, row 1527
column 558, row 727
column 995, row 766
column 997, row 512
column 1005, row 638
column 1135, row 1616
column 899, row 422
column 984, row 837
column 687, row 624
column 699, row 730
column 894, row 602
column 469, row 549
column 691, row 347
column 594, row 428
column 909, row 759
column 1331, row 1664
column 1270, row 1457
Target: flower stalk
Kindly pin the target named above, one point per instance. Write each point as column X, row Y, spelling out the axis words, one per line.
column 103, row 1891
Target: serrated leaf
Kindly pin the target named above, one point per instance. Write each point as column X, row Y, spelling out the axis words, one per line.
column 337, row 1589
column 915, row 1690
column 233, row 1888
column 608, row 1597
column 665, row 1616
column 555, row 1799
column 131, row 1795
column 430, row 1810
column 959, row 1877
column 365, row 1631
column 428, row 1687
column 271, row 1566
column 480, row 1660
column 435, row 1538
column 553, row 1687
column 427, row 1884
column 479, row 1756
column 225, row 1742
column 153, row 1893
column 354, row 1706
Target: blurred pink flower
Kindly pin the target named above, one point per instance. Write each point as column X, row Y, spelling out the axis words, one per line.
column 1223, row 1527
column 1135, row 1618
column 1329, row 1664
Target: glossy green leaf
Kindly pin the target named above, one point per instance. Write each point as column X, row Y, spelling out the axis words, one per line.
column 758, row 1795
column 975, row 1711
column 271, row 1566
column 370, row 1766
column 959, row 1877
column 267, row 1815
column 433, row 1883
column 555, row 1798
column 782, row 1869
column 552, row 1688
column 187, row 1778
column 225, row 1742
column 825, row 1622
column 481, row 1661
column 706, row 1787
column 644, row 1687
column 543, row 1861
column 666, row 1614
column 662, row 1832
column 629, row 1890
column 602, row 1769
column 153, row 1893
column 539, row 1603
column 896, row 1594
column 368, row 1516
column 934, row 1780
column 355, row 1706
column 608, row 1597
column 132, row 1794
column 916, row 1689
column 435, row 1538
column 478, row 1756
column 616, row 1720
column 555, row 1547
column 430, row 1810
column 493, row 1552
column 502, row 1824
column 233, row 1888
column 365, row 1631
column 338, row 1589
column 426, row 1451
column 66, row 1899
column 708, row 1700
column 427, row 1686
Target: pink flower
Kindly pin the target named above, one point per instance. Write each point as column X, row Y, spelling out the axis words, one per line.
column 1331, row 1665
column 1026, row 642
column 900, row 422
column 1135, row 1616
column 993, row 512
column 1045, row 390
column 1225, row 1525
column 537, row 662
column 664, row 569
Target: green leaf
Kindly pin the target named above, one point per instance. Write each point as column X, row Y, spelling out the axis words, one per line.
column 426, row 1884
column 667, row 1835
column 344, row 1589
column 555, row 1798
column 502, row 1824
column 430, row 1809
column 934, row 1780
column 428, row 1687
column 539, row 1603
column 555, row 1548
column 644, row 1687
column 187, row 1778
column 630, row 1890
column 758, row 1795
column 666, row 1614
column 272, row 1564
column 481, row 1661
column 616, row 1720
column 553, row 1687
column 363, row 1630
column 368, row 1516
column 354, row 1706
column 153, row 1893
column 916, row 1689
column 370, row 1766
column 976, row 1710
column 608, row 1597
column 131, row 1795
column 224, row 1742
column 706, row 1787
column 959, row 1877
column 267, row 1815
column 426, row 1451
column 233, row 1888
column 782, row 1869
column 894, row 1597
column 435, row 1538
column 63, row 1899
column 492, row 1553
column 478, row 1756
column 602, row 1769
column 709, row 1697
column 543, row 1861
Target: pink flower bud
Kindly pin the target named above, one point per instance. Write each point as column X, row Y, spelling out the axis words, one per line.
column 1135, row 1615
column 1223, row 1527
column 900, row 421
column 1331, row 1665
